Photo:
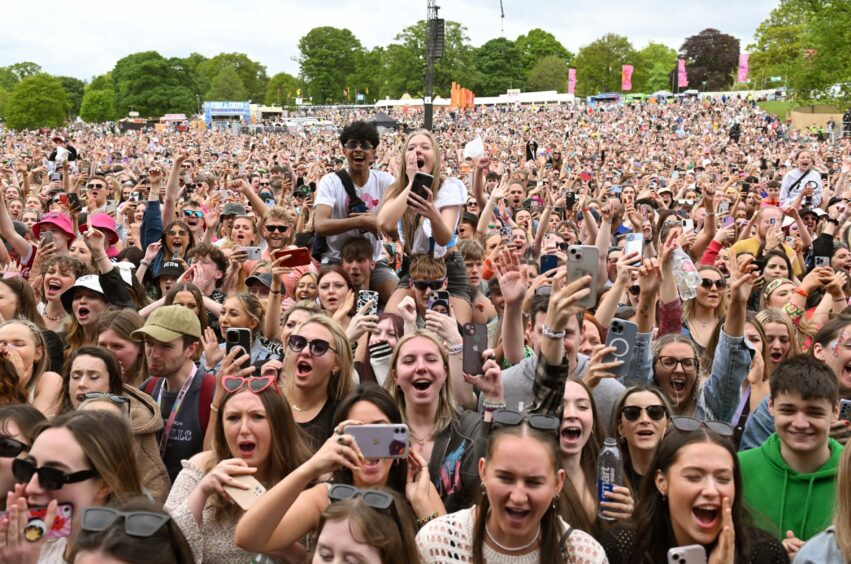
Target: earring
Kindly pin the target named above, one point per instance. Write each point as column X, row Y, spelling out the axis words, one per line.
column 484, row 491
column 555, row 502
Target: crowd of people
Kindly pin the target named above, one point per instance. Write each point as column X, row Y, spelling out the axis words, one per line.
column 195, row 327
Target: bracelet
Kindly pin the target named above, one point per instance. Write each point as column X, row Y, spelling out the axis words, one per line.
column 801, row 292
column 276, row 292
column 455, row 349
column 550, row 334
column 144, row 263
column 213, row 408
column 491, row 406
column 426, row 519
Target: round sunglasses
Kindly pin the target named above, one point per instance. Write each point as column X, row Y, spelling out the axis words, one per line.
column 654, row 412
column 317, row 347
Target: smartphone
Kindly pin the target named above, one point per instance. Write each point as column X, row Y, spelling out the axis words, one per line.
column 822, row 261
column 35, row 522
column 845, row 409
column 790, row 241
column 570, row 199
column 505, row 233
column 548, row 262
column 365, row 296
column 724, row 207
column 386, row 440
column 421, row 181
column 475, row 337
column 299, row 256
column 239, row 337
column 46, row 237
column 55, row 177
column 245, row 498
column 134, row 196
column 691, row 554
column 439, row 301
column 582, row 261
column 688, row 225
column 634, row 244
column 252, row 253
column 621, row 336
column 727, row 221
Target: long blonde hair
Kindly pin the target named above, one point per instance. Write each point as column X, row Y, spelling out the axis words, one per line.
column 340, row 383
column 771, row 315
column 410, row 220
column 689, row 305
column 842, row 518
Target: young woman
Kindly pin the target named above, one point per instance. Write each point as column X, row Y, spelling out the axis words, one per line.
column 641, row 418
column 380, row 345
column 780, row 337
column 777, row 265
column 58, row 274
column 85, row 302
column 704, row 312
column 776, row 294
column 21, row 342
column 292, row 509
column 78, row 458
column 516, row 518
column 336, row 294
column 18, row 300
column 307, row 287
column 95, row 372
column 113, row 332
column 255, row 435
column 695, row 497
column 427, row 224
column 104, row 538
column 243, row 311
column 17, row 431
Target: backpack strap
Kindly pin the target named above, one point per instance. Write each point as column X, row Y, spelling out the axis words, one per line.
column 151, row 385
column 349, row 185
column 208, row 388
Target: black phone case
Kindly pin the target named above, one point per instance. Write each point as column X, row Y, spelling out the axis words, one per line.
column 475, row 343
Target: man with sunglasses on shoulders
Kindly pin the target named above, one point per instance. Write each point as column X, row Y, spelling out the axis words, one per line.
column 337, row 220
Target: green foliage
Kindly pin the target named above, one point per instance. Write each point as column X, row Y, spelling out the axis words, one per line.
column 4, row 99
column 499, row 66
column 37, row 101
column 711, row 57
column 777, row 107
column 98, row 106
column 779, row 46
column 227, row 86
column 368, row 76
column 655, row 63
column 327, row 59
column 598, row 64
column 827, row 53
column 151, row 85
column 101, row 82
column 251, row 73
column 538, row 44
column 23, row 70
column 281, row 90
column 75, row 88
column 549, row 73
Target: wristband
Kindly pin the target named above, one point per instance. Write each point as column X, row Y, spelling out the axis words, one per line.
column 426, row 519
column 490, row 407
column 550, row 334
column 213, row 408
column 455, row 349
column 144, row 263
column 801, row 292
column 274, row 292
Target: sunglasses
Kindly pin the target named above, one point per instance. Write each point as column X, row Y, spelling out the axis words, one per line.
column 177, row 233
column 635, row 290
column 362, row 145
column 49, row 478
column 191, row 213
column 10, row 448
column 94, row 186
column 187, row 165
column 121, row 401
column 671, row 363
column 423, row 285
column 136, row 523
column 264, row 184
column 654, row 412
column 190, row 185
column 278, row 228
column 706, row 283
column 373, row 498
column 511, row 418
column 318, row 347
column 688, row 424
column 233, row 384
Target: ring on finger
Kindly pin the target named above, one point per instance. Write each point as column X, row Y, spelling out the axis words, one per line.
column 341, row 439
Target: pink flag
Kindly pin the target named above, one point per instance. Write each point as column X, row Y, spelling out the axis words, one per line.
column 682, row 75
column 626, row 77
column 571, row 80
column 744, row 67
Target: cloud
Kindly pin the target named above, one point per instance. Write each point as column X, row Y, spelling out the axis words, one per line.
column 86, row 38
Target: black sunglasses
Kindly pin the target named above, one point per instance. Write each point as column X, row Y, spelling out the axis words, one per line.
column 318, row 347
column 373, row 498
column 279, row 228
column 362, row 145
column 264, row 184
column 423, row 285
column 688, row 424
column 136, row 523
column 10, row 448
column 511, row 418
column 49, row 478
column 707, row 283
column 654, row 412
column 93, row 186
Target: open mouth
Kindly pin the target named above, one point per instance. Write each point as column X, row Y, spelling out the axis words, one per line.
column 645, row 433
column 421, row 385
column 776, row 356
column 53, row 287
column 176, row 243
column 303, row 296
column 358, row 158
column 81, row 397
column 678, row 385
column 420, row 163
column 706, row 516
column 517, row 514
column 303, row 368
column 247, row 448
column 83, row 313
column 571, row 432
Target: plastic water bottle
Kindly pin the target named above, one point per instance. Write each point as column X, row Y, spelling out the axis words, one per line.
column 685, row 274
column 609, row 472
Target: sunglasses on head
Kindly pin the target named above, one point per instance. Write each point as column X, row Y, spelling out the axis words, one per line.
column 654, row 412
column 279, row 228
column 362, row 145
column 688, row 424
column 707, row 283
column 136, row 523
column 317, row 347
column 49, row 478
column 121, row 401
column 423, row 285
column 10, row 448
column 373, row 498
column 196, row 213
column 256, row 384
column 511, row 418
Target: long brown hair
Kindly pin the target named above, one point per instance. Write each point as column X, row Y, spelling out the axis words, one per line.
column 123, row 322
column 340, row 383
column 27, row 304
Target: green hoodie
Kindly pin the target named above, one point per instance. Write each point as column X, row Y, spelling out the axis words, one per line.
column 779, row 499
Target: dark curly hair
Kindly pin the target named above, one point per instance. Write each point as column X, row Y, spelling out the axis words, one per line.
column 360, row 131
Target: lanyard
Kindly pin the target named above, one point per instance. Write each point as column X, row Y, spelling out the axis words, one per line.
column 174, row 408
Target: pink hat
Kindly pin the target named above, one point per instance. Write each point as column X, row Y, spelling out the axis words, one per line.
column 105, row 223
column 60, row 220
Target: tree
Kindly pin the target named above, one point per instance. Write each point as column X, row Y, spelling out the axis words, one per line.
column 98, row 106
column 499, row 66
column 327, row 58
column 152, row 85
column 227, row 86
column 825, row 71
column 281, row 89
column 655, row 62
column 711, row 58
column 778, row 50
column 37, row 101
column 4, row 100
column 368, row 78
column 22, row 70
column 75, row 88
column 538, row 44
column 251, row 73
column 598, row 64
column 101, row 82
column 549, row 73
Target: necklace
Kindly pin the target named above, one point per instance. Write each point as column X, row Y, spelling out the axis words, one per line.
column 509, row 548
column 57, row 318
column 301, row 409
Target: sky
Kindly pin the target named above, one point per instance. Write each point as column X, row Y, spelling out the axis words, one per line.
column 85, row 38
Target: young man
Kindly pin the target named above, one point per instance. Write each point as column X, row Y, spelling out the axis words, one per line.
column 768, row 219
column 172, row 336
column 358, row 262
column 789, row 483
column 427, row 275
column 333, row 218
column 226, row 218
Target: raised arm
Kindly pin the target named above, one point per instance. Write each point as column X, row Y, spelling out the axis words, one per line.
column 7, row 229
column 171, row 188
column 513, row 283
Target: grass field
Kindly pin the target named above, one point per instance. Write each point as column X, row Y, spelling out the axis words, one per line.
column 779, row 108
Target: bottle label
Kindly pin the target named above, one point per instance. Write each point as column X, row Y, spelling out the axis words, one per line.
column 605, row 482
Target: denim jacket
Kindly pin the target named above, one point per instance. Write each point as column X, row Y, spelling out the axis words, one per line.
column 151, row 231
column 758, row 427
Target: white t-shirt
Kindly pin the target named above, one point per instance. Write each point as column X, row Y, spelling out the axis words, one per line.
column 331, row 192
column 452, row 192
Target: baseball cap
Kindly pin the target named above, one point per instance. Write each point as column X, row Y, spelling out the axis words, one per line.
column 89, row 282
column 232, row 208
column 168, row 323
column 264, row 278
column 170, row 268
column 835, row 200
column 60, row 220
